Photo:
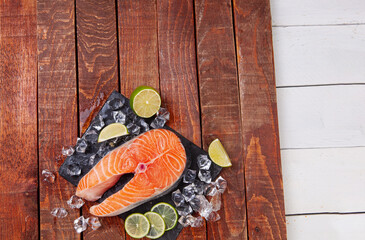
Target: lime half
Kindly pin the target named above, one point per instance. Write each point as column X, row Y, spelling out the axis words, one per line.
column 112, row 131
column 218, row 154
column 137, row 225
column 168, row 213
column 158, row 226
column 145, row 101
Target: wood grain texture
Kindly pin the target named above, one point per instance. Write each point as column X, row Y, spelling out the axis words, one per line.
column 98, row 77
column 97, row 55
column 327, row 116
column 18, row 121
column 324, row 180
column 178, row 77
column 319, row 55
column 137, row 44
column 264, row 186
column 57, row 111
column 220, row 116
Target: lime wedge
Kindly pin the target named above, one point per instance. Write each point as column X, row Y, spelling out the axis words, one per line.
column 168, row 213
column 218, row 154
column 137, row 225
column 145, row 101
column 158, row 226
column 112, row 131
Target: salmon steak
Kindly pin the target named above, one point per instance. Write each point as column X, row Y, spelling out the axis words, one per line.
column 157, row 158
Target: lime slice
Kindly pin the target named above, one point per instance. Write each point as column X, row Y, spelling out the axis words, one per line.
column 145, row 101
column 158, row 226
column 168, row 213
column 112, row 131
column 218, row 154
column 137, row 225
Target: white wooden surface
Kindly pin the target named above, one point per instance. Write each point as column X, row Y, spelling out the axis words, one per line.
column 326, row 116
column 326, row 227
column 319, row 51
column 319, row 55
column 317, row 12
column 324, row 180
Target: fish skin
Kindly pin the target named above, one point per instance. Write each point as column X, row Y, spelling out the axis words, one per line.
column 157, row 158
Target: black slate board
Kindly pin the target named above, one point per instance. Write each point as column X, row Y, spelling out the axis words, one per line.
column 82, row 160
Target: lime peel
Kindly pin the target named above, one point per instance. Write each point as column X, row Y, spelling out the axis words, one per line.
column 137, row 225
column 218, row 154
column 168, row 213
column 157, row 224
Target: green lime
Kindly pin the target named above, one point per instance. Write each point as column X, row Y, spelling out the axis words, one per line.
column 218, row 154
column 168, row 213
column 158, row 226
column 137, row 225
column 112, row 131
column 145, row 101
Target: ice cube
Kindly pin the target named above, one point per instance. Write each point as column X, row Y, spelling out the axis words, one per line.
column 119, row 117
column 204, row 175
column 59, row 212
column 199, row 186
column 184, row 209
column 178, row 198
column 98, row 123
column 81, row 145
column 205, row 207
column 195, row 203
column 48, row 176
column 189, row 176
column 75, row 202
column 133, row 128
column 186, row 221
column 210, row 189
column 91, row 136
column 92, row 160
column 93, row 222
column 188, row 192
column 144, row 126
column 80, row 224
column 102, row 151
column 197, row 222
column 116, row 103
column 221, row 184
column 162, row 112
column 216, row 201
column 68, row 151
column 213, row 217
column 73, row 169
column 158, row 122
column 204, row 162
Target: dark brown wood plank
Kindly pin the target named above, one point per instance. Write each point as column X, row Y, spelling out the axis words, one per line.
column 138, row 52
column 137, row 44
column 178, row 77
column 98, row 77
column 97, row 55
column 220, row 115
column 18, row 122
column 264, row 186
column 57, row 110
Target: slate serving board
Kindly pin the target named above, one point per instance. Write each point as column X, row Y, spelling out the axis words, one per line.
column 82, row 160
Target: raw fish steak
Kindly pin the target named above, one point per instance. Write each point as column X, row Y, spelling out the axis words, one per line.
column 157, row 158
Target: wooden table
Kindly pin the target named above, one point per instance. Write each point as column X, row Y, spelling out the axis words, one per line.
column 212, row 63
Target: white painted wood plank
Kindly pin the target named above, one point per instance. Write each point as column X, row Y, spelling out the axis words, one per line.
column 319, row 55
column 326, row 227
column 314, row 12
column 327, row 116
column 324, row 180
